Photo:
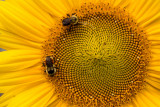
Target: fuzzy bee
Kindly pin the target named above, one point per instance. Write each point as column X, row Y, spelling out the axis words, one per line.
column 50, row 67
column 73, row 20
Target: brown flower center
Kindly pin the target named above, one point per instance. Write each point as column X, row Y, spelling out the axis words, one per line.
column 102, row 61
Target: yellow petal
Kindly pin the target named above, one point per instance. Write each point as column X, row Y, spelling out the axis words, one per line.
column 22, row 73
column 30, row 96
column 13, row 41
column 151, row 21
column 155, row 74
column 60, row 103
column 143, row 9
column 152, row 91
column 15, row 60
column 135, row 103
column 154, row 82
column 121, row 3
column 53, row 100
column 17, row 66
column 18, row 21
column 150, row 99
column 20, row 80
column 64, row 105
column 12, row 91
column 33, row 10
column 42, row 102
column 140, row 101
column 56, row 8
column 4, row 89
column 150, row 6
column 154, row 68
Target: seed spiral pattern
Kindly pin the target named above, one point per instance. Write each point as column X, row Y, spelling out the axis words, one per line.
column 102, row 61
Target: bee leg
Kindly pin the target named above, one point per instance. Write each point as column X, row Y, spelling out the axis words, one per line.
column 43, row 64
column 54, row 59
column 73, row 13
column 69, row 28
column 46, row 71
column 68, row 15
column 56, row 68
column 79, row 23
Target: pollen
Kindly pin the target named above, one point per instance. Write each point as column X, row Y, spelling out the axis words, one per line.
column 102, row 61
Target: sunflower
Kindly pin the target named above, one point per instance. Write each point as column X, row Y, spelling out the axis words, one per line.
column 107, row 56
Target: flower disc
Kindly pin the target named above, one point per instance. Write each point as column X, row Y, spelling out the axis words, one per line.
column 102, row 60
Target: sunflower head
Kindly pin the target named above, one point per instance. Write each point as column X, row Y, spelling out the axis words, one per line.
column 102, row 59
column 79, row 53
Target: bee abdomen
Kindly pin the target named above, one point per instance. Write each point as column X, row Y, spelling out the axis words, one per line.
column 66, row 22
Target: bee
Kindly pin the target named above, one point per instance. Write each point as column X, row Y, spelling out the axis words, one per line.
column 50, row 66
column 73, row 20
